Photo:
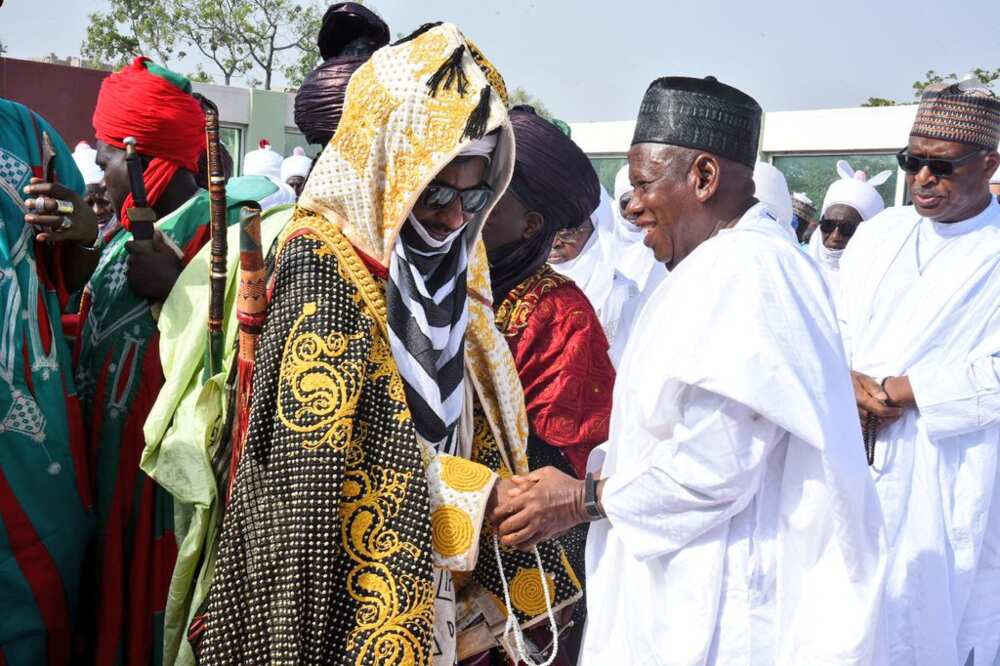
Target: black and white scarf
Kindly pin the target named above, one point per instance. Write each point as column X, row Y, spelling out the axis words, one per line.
column 428, row 316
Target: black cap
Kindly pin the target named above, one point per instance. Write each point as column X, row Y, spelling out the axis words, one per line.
column 702, row 114
column 347, row 22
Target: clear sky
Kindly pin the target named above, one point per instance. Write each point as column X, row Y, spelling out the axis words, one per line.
column 592, row 60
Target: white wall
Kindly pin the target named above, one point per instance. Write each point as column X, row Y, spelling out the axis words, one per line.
column 876, row 129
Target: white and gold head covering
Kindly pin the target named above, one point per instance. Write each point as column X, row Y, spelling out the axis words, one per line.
column 409, row 111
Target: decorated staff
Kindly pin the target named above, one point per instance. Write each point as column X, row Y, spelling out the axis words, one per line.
column 143, row 217
column 251, row 306
column 217, row 274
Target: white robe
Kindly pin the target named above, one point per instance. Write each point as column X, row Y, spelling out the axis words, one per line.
column 743, row 525
column 935, row 468
column 593, row 270
column 828, row 261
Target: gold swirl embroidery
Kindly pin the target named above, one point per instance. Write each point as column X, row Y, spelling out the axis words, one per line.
column 516, row 309
column 451, row 531
column 526, row 591
column 394, row 613
column 324, row 394
column 569, row 569
column 464, row 475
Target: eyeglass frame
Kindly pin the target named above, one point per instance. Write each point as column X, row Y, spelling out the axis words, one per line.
column 903, row 156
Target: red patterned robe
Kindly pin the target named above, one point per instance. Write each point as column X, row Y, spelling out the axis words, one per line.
column 561, row 354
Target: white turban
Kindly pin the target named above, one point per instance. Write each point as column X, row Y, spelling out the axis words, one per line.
column 262, row 162
column 483, row 147
column 297, row 164
column 856, row 190
column 86, row 161
column 772, row 189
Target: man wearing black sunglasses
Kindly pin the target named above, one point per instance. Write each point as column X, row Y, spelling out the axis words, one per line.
column 849, row 201
column 920, row 312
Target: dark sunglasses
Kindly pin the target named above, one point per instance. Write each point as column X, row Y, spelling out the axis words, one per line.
column 912, row 164
column 847, row 229
column 473, row 200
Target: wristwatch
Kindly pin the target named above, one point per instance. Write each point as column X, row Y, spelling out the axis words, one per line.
column 590, row 502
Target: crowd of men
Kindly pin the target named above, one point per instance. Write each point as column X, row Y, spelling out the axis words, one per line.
column 473, row 409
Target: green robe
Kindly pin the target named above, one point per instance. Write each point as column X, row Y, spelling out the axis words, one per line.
column 44, row 492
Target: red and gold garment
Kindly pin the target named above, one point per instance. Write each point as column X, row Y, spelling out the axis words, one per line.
column 561, row 354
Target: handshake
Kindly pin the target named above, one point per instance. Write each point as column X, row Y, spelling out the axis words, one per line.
column 532, row 508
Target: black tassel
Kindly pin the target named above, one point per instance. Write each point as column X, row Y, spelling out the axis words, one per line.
column 476, row 127
column 449, row 73
column 416, row 33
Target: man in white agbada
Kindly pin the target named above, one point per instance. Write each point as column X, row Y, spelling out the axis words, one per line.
column 849, row 201
column 93, row 176
column 586, row 255
column 742, row 526
column 771, row 188
column 295, row 169
column 266, row 162
column 634, row 261
column 920, row 312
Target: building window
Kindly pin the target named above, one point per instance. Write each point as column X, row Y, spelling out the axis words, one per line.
column 232, row 138
column 813, row 174
column 607, row 168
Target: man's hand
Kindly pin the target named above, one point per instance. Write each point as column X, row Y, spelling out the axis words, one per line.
column 79, row 226
column 503, row 489
column 873, row 400
column 545, row 503
column 153, row 267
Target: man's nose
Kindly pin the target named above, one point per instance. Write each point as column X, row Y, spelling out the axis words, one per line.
column 924, row 177
column 452, row 216
column 634, row 208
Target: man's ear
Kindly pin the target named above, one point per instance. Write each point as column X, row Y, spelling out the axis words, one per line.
column 992, row 163
column 705, row 173
column 533, row 224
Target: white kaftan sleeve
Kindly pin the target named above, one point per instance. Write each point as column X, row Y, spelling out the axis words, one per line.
column 958, row 399
column 700, row 474
column 459, row 490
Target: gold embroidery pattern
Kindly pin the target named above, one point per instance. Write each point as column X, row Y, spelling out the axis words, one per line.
column 325, row 394
column 526, row 591
column 463, row 475
column 569, row 569
column 516, row 309
column 393, row 613
column 452, row 532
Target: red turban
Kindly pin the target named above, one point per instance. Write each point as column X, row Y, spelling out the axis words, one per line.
column 167, row 122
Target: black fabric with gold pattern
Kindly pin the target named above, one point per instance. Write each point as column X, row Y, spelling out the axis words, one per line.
column 521, row 568
column 325, row 552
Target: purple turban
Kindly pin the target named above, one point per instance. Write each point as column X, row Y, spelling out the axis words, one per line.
column 349, row 35
column 552, row 176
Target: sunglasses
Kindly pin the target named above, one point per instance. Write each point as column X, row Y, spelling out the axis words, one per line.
column 912, row 164
column 473, row 200
column 847, row 229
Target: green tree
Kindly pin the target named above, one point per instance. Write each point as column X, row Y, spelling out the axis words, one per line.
column 879, row 101
column 252, row 39
column 205, row 25
column 3, row 47
column 131, row 28
column 987, row 76
column 520, row 96
column 268, row 29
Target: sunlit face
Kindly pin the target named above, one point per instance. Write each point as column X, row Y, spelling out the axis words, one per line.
column 846, row 220
column 296, row 183
column 97, row 198
column 569, row 243
column 116, row 183
column 955, row 197
column 461, row 173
